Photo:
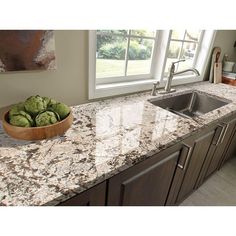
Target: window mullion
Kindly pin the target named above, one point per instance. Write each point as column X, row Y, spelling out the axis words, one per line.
column 185, row 32
column 127, row 53
column 154, row 53
column 167, row 39
column 182, row 45
column 186, row 41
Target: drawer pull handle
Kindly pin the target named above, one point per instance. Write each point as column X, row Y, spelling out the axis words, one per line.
column 225, row 131
column 189, row 152
column 222, row 134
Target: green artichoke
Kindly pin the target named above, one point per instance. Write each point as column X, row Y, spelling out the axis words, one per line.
column 35, row 104
column 61, row 109
column 46, row 99
column 21, row 119
column 16, row 109
column 49, row 101
column 46, row 118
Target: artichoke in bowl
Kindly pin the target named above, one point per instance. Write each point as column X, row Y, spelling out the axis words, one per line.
column 21, row 119
column 46, row 118
column 16, row 109
column 61, row 109
column 35, row 105
column 49, row 101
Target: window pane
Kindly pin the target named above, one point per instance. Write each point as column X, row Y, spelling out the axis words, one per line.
column 147, row 33
column 110, row 56
column 188, row 52
column 192, row 35
column 174, row 49
column 172, row 55
column 139, row 56
column 178, row 34
column 188, row 63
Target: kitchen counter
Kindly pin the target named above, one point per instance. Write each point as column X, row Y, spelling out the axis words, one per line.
column 106, row 138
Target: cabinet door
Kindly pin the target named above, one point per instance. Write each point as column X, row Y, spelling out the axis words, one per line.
column 231, row 148
column 95, row 196
column 179, row 175
column 147, row 183
column 200, row 146
column 220, row 149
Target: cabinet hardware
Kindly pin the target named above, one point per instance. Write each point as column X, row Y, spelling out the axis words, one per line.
column 225, row 131
column 218, row 138
column 189, row 151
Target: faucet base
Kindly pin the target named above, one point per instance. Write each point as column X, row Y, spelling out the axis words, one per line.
column 165, row 92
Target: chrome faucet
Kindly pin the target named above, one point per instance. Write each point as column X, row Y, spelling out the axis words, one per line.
column 172, row 73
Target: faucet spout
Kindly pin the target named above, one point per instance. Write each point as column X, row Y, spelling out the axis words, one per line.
column 172, row 73
column 187, row 70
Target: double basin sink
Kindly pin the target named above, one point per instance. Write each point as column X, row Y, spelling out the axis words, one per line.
column 190, row 104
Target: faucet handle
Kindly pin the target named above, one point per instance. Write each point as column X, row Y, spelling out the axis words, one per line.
column 172, row 67
column 181, row 60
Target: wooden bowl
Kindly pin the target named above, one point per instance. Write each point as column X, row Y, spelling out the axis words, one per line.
column 36, row 133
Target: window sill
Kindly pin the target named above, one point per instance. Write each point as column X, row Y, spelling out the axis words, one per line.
column 112, row 89
column 124, row 84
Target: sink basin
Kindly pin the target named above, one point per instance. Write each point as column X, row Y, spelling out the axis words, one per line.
column 190, row 104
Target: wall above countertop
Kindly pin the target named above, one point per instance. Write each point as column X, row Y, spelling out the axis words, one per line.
column 225, row 40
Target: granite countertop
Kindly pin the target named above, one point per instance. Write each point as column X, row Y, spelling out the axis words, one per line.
column 106, row 137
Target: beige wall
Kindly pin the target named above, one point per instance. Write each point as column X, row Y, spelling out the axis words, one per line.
column 69, row 83
column 225, row 40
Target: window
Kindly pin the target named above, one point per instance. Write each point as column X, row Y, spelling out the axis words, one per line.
column 122, row 54
column 124, row 61
column 183, row 45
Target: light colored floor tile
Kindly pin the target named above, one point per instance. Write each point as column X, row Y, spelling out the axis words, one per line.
column 218, row 190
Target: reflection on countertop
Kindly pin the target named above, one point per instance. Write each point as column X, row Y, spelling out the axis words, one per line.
column 106, row 137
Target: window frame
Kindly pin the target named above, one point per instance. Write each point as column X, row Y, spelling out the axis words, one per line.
column 125, row 77
column 199, row 42
column 136, row 83
column 182, row 41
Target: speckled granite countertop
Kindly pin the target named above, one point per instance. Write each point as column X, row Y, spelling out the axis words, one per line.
column 106, row 137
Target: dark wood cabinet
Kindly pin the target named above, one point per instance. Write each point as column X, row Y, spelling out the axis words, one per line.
column 147, row 183
column 199, row 149
column 218, row 150
column 95, row 196
column 231, row 148
column 208, row 151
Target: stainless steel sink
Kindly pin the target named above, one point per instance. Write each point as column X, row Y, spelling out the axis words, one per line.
column 190, row 104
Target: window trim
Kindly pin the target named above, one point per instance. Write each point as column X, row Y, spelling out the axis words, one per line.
column 138, row 83
column 125, row 78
